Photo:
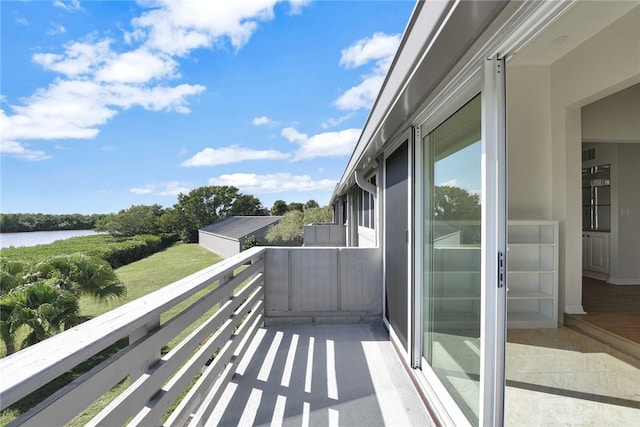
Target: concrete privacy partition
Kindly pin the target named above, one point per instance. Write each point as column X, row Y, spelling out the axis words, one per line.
column 324, row 285
column 325, row 234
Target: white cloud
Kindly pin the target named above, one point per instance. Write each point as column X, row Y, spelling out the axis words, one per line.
column 76, row 108
column 107, row 148
column 66, row 109
column 232, row 154
column 333, row 122
column 176, row 27
column 95, row 82
column 55, row 29
column 450, row 183
column 378, row 47
column 79, row 58
column 71, row 6
column 157, row 98
column 263, row 120
column 327, row 144
column 137, row 66
column 172, row 188
column 147, row 189
column 18, row 150
column 22, row 21
column 273, row 183
column 362, row 95
column 296, row 6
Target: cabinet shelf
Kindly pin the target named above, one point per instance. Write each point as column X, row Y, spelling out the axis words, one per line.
column 528, row 295
column 532, row 274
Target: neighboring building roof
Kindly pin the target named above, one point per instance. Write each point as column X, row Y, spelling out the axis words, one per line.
column 237, row 227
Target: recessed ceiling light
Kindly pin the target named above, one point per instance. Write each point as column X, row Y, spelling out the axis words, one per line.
column 559, row 40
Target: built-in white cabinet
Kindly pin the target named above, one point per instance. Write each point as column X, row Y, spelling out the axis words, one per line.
column 595, row 255
column 532, row 274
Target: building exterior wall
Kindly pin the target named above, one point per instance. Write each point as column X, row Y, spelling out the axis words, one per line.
column 223, row 246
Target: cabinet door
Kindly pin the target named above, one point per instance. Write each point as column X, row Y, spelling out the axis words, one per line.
column 598, row 253
column 585, row 252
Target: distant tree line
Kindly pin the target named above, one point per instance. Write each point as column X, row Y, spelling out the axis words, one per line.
column 197, row 209
column 22, row 222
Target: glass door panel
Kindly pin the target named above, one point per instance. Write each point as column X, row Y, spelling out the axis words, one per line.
column 452, row 182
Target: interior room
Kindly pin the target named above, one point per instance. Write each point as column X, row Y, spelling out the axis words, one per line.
column 573, row 132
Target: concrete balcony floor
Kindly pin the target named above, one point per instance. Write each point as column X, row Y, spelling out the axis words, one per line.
column 321, row 375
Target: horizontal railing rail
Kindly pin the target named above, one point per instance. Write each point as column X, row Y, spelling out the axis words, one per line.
column 156, row 381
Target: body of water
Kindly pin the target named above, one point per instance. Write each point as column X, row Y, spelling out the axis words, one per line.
column 33, row 238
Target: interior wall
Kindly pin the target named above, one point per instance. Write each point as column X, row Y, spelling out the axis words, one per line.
column 529, row 142
column 601, row 66
column 615, row 118
column 627, row 270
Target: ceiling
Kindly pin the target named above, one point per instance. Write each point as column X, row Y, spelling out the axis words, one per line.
column 578, row 24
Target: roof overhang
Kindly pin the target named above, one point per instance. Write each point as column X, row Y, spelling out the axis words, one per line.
column 437, row 36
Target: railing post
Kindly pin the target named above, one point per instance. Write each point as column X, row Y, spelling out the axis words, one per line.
column 152, row 355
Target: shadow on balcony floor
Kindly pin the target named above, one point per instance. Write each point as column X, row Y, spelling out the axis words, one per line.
column 321, row 375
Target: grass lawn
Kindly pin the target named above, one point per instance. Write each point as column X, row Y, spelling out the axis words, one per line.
column 141, row 278
column 152, row 273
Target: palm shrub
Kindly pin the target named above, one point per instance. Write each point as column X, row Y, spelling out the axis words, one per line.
column 43, row 307
column 82, row 274
column 44, row 297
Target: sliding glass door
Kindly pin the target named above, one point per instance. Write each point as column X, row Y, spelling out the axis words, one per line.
column 452, row 268
column 460, row 287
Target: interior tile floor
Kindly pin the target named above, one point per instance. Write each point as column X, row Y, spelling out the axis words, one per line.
column 560, row 377
column 563, row 377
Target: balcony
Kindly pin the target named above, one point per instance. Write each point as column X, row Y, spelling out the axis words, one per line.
column 270, row 336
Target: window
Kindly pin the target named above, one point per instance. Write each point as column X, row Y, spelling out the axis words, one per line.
column 366, row 207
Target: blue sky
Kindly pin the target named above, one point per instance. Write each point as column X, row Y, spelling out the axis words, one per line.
column 108, row 104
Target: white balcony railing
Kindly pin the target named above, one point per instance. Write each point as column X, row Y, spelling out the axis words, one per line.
column 224, row 306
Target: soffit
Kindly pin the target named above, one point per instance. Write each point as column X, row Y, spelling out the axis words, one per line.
column 569, row 30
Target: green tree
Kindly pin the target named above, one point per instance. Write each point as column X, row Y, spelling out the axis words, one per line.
column 246, row 204
column 250, row 242
column 311, row 204
column 295, row 206
column 290, row 229
column 138, row 219
column 314, row 215
column 460, row 208
column 201, row 207
column 279, row 208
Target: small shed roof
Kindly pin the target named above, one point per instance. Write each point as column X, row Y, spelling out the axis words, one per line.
column 236, row 227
